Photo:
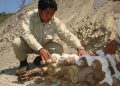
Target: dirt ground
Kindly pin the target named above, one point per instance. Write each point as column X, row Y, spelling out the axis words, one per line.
column 93, row 24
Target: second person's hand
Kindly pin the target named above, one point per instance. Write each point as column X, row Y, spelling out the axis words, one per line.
column 111, row 47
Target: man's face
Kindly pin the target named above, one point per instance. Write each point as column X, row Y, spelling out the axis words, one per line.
column 46, row 15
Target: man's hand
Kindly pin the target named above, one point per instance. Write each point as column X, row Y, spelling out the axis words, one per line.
column 111, row 47
column 81, row 52
column 44, row 54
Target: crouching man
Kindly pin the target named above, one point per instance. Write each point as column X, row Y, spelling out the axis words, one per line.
column 39, row 27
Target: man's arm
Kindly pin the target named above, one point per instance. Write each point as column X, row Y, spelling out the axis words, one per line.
column 27, row 35
column 112, row 47
column 68, row 37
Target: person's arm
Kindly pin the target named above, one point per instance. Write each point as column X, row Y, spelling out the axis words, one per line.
column 68, row 37
column 27, row 35
column 117, row 37
column 112, row 47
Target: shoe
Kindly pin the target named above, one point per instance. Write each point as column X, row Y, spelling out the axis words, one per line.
column 37, row 60
column 24, row 64
column 22, row 68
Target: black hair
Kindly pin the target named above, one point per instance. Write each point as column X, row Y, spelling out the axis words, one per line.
column 44, row 4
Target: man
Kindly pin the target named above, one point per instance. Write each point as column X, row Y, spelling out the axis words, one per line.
column 39, row 27
column 112, row 47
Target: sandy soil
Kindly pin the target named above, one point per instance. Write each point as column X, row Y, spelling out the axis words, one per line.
column 94, row 26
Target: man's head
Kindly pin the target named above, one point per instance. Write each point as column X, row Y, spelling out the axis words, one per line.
column 47, row 8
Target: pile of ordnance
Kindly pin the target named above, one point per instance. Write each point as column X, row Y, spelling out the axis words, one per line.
column 71, row 70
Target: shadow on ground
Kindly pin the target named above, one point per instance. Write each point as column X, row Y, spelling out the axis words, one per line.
column 9, row 71
column 12, row 71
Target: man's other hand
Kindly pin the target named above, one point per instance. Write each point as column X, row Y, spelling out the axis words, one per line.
column 81, row 52
column 44, row 54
